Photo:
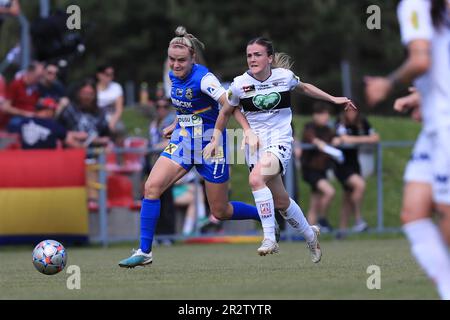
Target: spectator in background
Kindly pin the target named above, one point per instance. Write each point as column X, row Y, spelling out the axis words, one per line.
column 51, row 87
column 83, row 114
column 185, row 195
column 165, row 116
column 22, row 93
column 147, row 102
column 316, row 162
column 8, row 7
column 42, row 131
column 353, row 129
column 159, row 91
column 110, row 98
column 2, row 100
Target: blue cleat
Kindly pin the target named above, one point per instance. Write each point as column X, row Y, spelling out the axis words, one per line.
column 138, row 258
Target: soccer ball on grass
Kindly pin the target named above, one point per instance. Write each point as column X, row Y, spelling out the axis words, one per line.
column 49, row 257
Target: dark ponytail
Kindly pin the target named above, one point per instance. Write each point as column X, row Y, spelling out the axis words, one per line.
column 280, row 59
column 438, row 10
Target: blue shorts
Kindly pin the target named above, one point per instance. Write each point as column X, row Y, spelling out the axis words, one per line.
column 186, row 148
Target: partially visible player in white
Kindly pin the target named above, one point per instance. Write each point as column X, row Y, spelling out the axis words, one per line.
column 264, row 93
column 425, row 31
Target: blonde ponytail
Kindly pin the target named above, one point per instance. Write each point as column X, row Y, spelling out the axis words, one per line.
column 184, row 39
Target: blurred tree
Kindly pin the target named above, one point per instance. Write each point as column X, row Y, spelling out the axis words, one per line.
column 133, row 36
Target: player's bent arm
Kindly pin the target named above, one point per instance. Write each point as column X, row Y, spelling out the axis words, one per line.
column 167, row 131
column 250, row 137
column 417, row 63
column 224, row 116
column 241, row 119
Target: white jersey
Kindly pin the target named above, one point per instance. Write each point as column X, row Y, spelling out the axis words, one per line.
column 434, row 86
column 266, row 104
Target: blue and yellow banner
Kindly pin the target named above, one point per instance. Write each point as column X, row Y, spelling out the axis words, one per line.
column 43, row 194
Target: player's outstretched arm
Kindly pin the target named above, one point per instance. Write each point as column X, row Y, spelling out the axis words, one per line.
column 314, row 92
column 418, row 62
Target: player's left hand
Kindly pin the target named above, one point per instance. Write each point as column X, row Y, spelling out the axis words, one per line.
column 411, row 101
column 210, row 150
column 377, row 89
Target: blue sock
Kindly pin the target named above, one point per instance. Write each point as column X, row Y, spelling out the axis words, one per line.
column 149, row 217
column 243, row 211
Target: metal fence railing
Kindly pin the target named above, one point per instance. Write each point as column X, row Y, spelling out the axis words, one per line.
column 290, row 182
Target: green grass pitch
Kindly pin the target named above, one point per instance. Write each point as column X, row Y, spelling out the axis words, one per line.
column 225, row 271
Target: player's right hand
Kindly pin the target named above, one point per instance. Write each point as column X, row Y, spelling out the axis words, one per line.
column 167, row 132
column 252, row 140
column 410, row 101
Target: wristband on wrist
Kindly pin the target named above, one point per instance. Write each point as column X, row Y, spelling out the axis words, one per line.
column 394, row 80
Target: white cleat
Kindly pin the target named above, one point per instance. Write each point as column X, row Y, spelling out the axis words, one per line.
column 138, row 258
column 314, row 246
column 268, row 246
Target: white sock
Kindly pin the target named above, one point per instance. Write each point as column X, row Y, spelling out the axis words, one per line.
column 295, row 217
column 266, row 211
column 188, row 225
column 430, row 252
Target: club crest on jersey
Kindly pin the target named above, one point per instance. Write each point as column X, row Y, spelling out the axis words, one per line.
column 266, row 101
column 278, row 83
column 196, row 120
column 189, row 93
column 415, row 20
column 248, row 88
column 229, row 94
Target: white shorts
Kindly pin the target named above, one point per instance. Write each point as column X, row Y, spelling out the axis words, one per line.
column 430, row 163
column 280, row 146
